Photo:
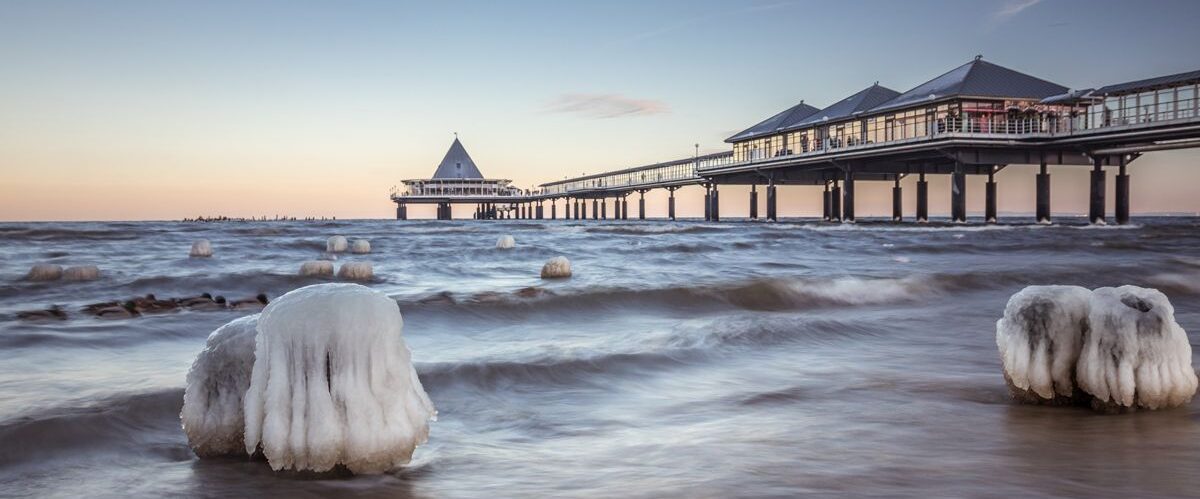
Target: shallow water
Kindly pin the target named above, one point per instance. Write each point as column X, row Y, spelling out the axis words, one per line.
column 682, row 359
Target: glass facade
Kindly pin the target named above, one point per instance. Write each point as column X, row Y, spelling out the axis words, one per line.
column 647, row 175
column 460, row 187
column 974, row 117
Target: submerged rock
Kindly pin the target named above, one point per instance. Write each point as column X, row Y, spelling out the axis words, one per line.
column 81, row 273
column 319, row 268
column 1115, row 349
column 44, row 272
column 356, row 271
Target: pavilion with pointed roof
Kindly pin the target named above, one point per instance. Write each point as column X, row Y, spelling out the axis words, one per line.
column 458, row 175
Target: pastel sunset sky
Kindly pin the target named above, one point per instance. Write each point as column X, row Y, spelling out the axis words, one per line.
column 169, row 109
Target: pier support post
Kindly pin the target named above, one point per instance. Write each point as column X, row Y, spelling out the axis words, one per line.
column 642, row 204
column 753, row 201
column 1043, row 195
column 1122, row 193
column 625, row 206
column 772, row 214
column 922, row 199
column 897, row 201
column 958, row 194
column 575, row 212
column 553, row 210
column 848, row 198
column 541, row 209
column 603, row 209
column 989, row 215
column 671, row 203
column 835, row 202
column 401, row 211
column 1096, row 208
column 716, row 204
column 707, row 203
column 596, row 209
column 826, row 203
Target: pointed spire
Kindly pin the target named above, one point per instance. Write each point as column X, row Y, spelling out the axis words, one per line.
column 457, row 163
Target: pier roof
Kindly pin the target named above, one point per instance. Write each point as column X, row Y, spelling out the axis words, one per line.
column 1151, row 83
column 860, row 101
column 457, row 164
column 785, row 119
column 977, row 78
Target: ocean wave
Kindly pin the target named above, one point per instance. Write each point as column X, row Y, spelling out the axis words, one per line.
column 123, row 422
column 649, row 230
column 64, row 234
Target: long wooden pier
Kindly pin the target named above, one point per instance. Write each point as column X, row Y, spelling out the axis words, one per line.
column 976, row 119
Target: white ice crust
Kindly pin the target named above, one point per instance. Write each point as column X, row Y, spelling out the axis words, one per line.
column 44, row 272
column 356, row 271
column 81, row 273
column 321, row 268
column 505, row 242
column 336, row 244
column 360, row 246
column 212, row 403
column 1135, row 352
column 334, row 384
column 556, row 267
column 201, row 248
column 1119, row 346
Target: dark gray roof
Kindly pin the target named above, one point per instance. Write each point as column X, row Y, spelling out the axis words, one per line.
column 788, row 117
column 863, row 100
column 1072, row 97
column 977, row 78
column 1151, row 83
column 457, row 164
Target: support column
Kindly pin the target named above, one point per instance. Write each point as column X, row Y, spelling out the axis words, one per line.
column 641, row 205
column 848, row 196
column 958, row 194
column 603, row 209
column 826, row 204
column 922, row 199
column 541, row 209
column 576, row 212
column 897, row 201
column 671, row 203
column 624, row 207
column 989, row 210
column 1096, row 209
column 617, row 208
column 595, row 209
column 553, row 209
column 772, row 214
column 753, row 201
column 1043, row 195
column 401, row 211
column 1122, row 194
column 716, row 204
column 835, row 203
column 707, row 203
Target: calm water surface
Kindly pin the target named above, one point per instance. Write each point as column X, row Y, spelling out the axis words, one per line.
column 683, row 359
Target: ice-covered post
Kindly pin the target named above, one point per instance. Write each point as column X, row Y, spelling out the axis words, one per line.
column 1096, row 207
column 989, row 215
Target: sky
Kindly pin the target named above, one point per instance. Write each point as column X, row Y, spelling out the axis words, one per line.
column 163, row 109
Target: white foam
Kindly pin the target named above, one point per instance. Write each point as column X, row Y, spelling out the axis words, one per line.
column 336, row 244
column 1039, row 338
column 81, row 273
column 1135, row 353
column 320, row 268
column 44, row 272
column 201, row 248
column 360, row 246
column 505, row 242
column 557, row 267
column 218, row 380
column 356, row 271
column 334, row 383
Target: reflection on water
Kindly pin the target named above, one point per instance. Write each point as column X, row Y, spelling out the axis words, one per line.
column 682, row 359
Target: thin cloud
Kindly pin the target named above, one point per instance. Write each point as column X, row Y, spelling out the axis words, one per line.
column 1011, row 9
column 601, row 106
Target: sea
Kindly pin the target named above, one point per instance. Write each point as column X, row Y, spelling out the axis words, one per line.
column 682, row 359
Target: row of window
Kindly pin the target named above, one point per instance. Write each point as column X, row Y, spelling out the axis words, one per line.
column 651, row 175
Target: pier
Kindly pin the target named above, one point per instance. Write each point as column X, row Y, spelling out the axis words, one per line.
column 976, row 119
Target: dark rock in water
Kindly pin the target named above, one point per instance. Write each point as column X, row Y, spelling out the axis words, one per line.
column 54, row 313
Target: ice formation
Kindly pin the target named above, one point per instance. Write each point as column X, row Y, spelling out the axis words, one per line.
column 335, row 244
column 360, row 246
column 1113, row 348
column 322, row 268
column 505, row 242
column 1039, row 340
column 201, row 248
column 81, row 273
column 334, row 384
column 556, row 267
column 44, row 272
column 356, row 271
column 212, row 403
column 1135, row 353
